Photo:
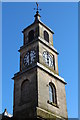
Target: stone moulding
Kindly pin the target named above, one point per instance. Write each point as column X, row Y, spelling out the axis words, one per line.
column 43, row 68
column 47, row 115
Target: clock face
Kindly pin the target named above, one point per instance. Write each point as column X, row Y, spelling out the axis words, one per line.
column 26, row 59
column 48, row 58
column 29, row 57
column 32, row 56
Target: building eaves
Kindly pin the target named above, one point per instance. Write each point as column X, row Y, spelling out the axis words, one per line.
column 37, row 23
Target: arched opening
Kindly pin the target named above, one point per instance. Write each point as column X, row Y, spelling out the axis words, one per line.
column 52, row 93
column 25, row 91
column 31, row 35
column 46, row 36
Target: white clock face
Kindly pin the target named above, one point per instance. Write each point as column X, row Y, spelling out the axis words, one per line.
column 29, row 57
column 48, row 58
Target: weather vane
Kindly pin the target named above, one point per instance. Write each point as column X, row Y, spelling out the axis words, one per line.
column 37, row 7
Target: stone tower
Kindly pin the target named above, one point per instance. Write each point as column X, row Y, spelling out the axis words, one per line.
column 39, row 91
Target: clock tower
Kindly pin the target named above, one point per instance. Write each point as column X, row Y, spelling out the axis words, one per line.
column 39, row 91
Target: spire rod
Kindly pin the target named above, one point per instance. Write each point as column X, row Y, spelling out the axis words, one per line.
column 37, row 8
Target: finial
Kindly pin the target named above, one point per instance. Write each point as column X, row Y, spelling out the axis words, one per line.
column 37, row 15
column 37, row 8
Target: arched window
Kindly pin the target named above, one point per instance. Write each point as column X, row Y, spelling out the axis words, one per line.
column 31, row 35
column 46, row 36
column 52, row 93
column 25, row 91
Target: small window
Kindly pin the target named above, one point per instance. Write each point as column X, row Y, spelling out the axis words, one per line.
column 52, row 93
column 31, row 35
column 46, row 36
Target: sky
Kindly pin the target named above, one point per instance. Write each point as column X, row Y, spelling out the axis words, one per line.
column 62, row 18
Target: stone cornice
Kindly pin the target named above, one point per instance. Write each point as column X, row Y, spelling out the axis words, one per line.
column 47, row 44
column 42, row 41
column 51, row 73
column 42, row 68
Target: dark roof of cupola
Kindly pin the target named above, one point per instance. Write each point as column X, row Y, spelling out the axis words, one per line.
column 36, row 21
